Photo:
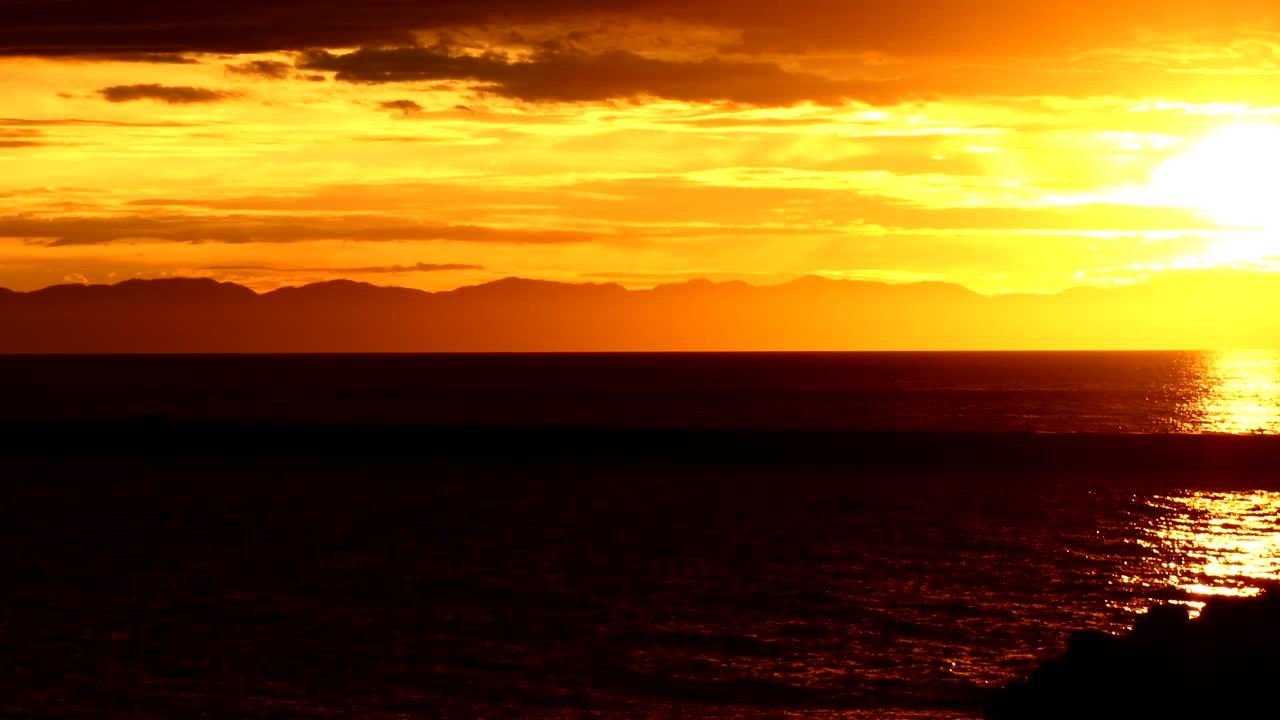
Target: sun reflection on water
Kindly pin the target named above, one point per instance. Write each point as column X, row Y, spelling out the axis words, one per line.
column 1238, row 391
column 1210, row 543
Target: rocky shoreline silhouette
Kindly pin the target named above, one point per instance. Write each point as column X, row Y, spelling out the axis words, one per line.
column 1222, row 664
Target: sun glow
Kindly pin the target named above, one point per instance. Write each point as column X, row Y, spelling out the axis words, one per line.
column 1232, row 178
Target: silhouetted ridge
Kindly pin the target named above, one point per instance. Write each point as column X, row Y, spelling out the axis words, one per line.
column 942, row 289
column 342, row 291
column 818, row 281
column 164, row 290
column 701, row 287
column 516, row 287
column 817, row 286
column 825, row 285
column 1223, row 664
column 514, row 314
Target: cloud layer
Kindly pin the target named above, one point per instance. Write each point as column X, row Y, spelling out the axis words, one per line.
column 171, row 94
column 239, row 229
column 979, row 28
column 571, row 76
column 1008, row 146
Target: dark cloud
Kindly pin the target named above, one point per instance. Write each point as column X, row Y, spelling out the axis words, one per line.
column 570, row 76
column 888, row 51
column 80, row 27
column 239, row 229
column 20, row 143
column 404, row 107
column 973, row 28
column 124, row 56
column 362, row 270
column 151, row 58
column 267, row 69
column 171, row 94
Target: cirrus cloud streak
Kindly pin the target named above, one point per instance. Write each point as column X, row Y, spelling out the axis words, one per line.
column 241, row 229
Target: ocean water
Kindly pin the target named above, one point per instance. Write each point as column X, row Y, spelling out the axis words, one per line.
column 595, row 591
column 1103, row 392
column 211, row 585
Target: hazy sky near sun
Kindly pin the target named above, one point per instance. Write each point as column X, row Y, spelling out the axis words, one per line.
column 1006, row 146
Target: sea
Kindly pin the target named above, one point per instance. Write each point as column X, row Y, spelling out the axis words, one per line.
column 148, row 582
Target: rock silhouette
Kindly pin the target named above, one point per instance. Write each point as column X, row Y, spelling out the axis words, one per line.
column 1223, row 664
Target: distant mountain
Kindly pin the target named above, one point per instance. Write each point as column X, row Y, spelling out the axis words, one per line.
column 341, row 291
column 1188, row 310
column 183, row 290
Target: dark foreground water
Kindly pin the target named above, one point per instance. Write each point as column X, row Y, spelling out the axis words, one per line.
column 566, row 591
column 152, row 576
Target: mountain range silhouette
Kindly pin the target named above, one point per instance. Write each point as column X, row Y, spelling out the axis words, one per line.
column 1191, row 310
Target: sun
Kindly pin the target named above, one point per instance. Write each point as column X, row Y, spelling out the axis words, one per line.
column 1233, row 176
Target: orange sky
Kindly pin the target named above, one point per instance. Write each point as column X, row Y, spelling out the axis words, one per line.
column 1005, row 146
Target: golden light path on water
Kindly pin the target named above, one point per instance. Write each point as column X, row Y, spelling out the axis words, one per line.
column 1218, row 543
column 1236, row 391
column 1209, row 543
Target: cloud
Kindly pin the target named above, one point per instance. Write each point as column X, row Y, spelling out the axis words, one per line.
column 21, row 138
column 975, row 28
column 627, row 208
column 171, row 94
column 240, row 229
column 364, row 270
column 572, row 76
column 267, row 69
column 150, row 58
column 404, row 107
column 823, row 51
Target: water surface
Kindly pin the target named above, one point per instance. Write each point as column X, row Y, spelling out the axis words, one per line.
column 1103, row 392
column 592, row 591
column 147, row 584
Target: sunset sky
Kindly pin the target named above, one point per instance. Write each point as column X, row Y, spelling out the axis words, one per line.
column 1006, row 146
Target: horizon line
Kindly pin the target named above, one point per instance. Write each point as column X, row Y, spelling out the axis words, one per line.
column 694, row 281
